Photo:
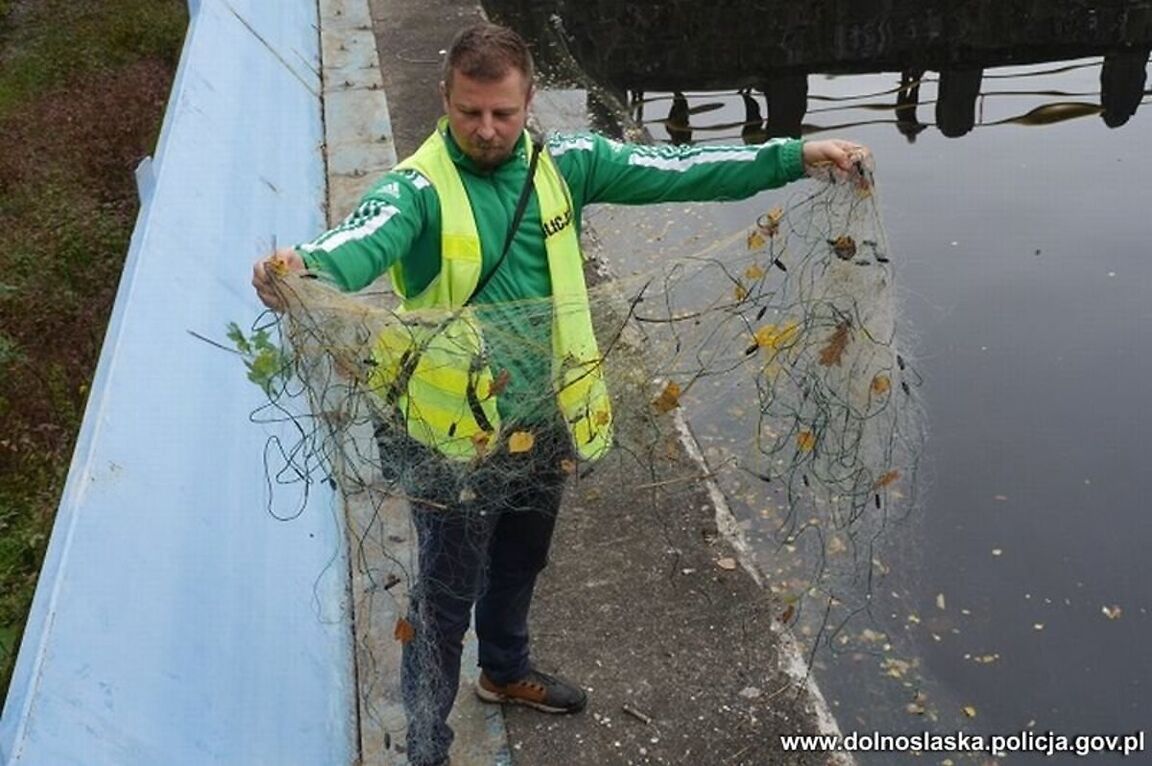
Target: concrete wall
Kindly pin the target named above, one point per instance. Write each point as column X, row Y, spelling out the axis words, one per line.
column 176, row 620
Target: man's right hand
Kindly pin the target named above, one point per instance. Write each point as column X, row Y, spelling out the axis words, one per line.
column 284, row 260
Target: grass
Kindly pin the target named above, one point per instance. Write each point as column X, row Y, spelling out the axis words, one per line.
column 83, row 87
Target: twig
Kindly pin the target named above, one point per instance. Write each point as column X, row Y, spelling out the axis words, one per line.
column 641, row 717
column 679, row 480
column 211, row 342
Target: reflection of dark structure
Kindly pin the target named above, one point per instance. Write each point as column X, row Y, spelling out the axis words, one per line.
column 677, row 124
column 685, row 45
column 753, row 131
column 1122, row 81
column 787, row 100
column 906, row 102
column 956, row 101
column 787, row 97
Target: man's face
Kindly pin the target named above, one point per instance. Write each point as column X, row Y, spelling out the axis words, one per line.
column 487, row 118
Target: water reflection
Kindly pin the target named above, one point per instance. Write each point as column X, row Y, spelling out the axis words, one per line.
column 767, row 52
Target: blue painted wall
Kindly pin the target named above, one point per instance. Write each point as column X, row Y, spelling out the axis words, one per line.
column 176, row 621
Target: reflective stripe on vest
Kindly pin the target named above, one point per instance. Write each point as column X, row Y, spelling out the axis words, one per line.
column 432, row 365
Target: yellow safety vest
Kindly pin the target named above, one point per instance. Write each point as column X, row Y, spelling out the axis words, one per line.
column 431, row 363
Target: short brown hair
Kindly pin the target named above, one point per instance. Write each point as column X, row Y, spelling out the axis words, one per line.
column 486, row 52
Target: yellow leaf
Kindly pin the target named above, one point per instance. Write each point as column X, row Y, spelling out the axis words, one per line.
column 881, row 384
column 520, row 441
column 969, row 711
column 773, row 336
column 669, row 398
column 754, row 271
column 568, row 466
column 769, row 223
column 755, row 241
column 602, row 417
column 740, row 291
column 279, row 266
column 806, row 441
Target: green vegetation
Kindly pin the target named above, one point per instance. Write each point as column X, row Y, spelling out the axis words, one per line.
column 48, row 42
column 267, row 364
column 83, row 87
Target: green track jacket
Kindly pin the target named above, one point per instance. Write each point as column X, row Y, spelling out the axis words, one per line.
column 399, row 218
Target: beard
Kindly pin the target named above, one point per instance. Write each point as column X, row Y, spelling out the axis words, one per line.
column 488, row 155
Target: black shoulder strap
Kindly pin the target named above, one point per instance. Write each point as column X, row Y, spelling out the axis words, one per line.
column 521, row 205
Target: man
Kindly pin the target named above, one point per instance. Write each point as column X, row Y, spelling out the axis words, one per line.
column 481, row 218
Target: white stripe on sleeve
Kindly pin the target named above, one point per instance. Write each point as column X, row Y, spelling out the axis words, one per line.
column 686, row 162
column 362, row 229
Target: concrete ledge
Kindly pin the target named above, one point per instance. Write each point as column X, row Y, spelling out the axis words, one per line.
column 358, row 126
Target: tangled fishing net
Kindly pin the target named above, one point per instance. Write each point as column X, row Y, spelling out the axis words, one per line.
column 776, row 346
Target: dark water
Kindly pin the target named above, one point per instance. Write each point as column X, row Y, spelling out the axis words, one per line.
column 1016, row 188
column 1026, row 290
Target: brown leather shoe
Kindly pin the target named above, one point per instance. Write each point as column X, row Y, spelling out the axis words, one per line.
column 537, row 690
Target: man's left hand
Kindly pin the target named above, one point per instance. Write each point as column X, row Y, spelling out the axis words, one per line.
column 842, row 154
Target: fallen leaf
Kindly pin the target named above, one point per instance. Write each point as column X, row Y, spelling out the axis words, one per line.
column 833, row 351
column 756, row 241
column 404, row 632
column 881, row 384
column 740, row 292
column 769, row 223
column 602, row 417
column 568, row 466
column 786, row 616
column 886, row 479
column 726, row 563
column 1112, row 612
column 775, row 336
column 279, row 266
column 844, row 247
column 997, row 551
column 754, row 271
column 499, row 383
column 669, row 398
column 805, row 441
column 1038, row 626
column 896, row 668
column 520, row 441
column 940, row 601
column 969, row 711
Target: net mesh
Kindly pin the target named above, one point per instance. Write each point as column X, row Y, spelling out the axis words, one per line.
column 775, row 346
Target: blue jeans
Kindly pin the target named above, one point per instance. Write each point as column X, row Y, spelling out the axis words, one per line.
column 483, row 537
